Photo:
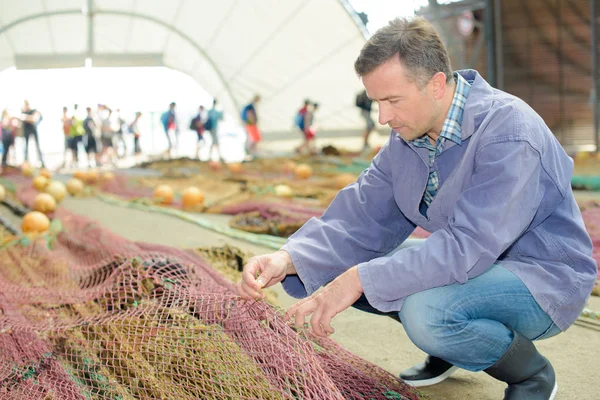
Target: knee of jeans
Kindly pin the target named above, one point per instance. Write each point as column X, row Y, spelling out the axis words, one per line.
column 430, row 323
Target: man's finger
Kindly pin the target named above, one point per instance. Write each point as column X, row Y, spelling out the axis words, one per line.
column 299, row 317
column 249, row 274
column 253, row 294
column 315, row 323
column 326, row 322
column 241, row 292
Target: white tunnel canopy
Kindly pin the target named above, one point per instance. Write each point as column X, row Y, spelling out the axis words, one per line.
column 285, row 51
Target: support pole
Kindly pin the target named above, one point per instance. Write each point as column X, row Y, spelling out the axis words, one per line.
column 593, row 28
column 489, row 42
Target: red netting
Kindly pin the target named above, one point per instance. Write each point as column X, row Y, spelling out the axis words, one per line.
column 591, row 216
column 126, row 187
column 100, row 317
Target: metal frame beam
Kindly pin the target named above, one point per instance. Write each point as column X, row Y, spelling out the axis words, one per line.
column 75, row 60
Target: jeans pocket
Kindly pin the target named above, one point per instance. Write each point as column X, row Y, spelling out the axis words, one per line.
column 552, row 330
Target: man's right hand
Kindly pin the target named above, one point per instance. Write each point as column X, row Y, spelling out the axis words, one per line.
column 264, row 271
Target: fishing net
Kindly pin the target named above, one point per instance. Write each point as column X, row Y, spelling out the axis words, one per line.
column 91, row 315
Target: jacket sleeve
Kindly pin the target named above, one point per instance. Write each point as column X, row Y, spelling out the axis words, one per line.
column 495, row 209
column 363, row 222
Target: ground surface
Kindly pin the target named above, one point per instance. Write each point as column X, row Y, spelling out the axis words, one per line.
column 574, row 354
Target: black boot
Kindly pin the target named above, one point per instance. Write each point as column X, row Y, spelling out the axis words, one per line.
column 529, row 374
column 432, row 371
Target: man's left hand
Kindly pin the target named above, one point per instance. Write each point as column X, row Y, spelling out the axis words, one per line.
column 327, row 302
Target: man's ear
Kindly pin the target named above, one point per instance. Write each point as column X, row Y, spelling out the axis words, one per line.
column 439, row 85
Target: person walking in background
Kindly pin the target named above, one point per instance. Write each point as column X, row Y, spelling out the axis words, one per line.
column 299, row 119
column 169, row 123
column 309, row 129
column 106, row 134
column 91, row 145
column 364, row 103
column 66, row 127
column 197, row 125
column 116, row 125
column 76, row 133
column 8, row 135
column 31, row 118
column 212, row 125
column 134, row 128
column 250, row 118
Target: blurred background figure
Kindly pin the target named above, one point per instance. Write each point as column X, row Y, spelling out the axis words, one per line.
column 299, row 118
column 364, row 103
column 76, row 132
column 250, row 118
column 108, row 154
column 197, row 125
column 66, row 127
column 116, row 124
column 309, row 129
column 212, row 126
column 169, row 123
column 89, row 140
column 9, row 129
column 134, row 129
column 31, row 118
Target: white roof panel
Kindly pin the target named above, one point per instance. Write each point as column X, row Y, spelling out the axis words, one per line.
column 284, row 50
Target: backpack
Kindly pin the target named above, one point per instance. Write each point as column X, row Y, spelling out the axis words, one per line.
column 245, row 114
column 208, row 124
column 194, row 123
column 299, row 121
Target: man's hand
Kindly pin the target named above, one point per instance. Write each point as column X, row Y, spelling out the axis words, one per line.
column 327, row 302
column 264, row 271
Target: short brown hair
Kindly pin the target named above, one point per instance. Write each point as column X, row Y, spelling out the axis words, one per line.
column 415, row 41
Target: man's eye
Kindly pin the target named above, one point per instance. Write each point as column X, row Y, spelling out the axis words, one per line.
column 396, row 101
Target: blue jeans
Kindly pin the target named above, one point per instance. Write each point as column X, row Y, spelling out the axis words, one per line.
column 468, row 325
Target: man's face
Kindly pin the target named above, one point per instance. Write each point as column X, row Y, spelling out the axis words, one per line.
column 405, row 107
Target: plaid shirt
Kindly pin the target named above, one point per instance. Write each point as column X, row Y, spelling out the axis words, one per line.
column 450, row 131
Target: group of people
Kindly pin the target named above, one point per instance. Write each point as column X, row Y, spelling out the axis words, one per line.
column 305, row 122
column 101, row 133
column 204, row 122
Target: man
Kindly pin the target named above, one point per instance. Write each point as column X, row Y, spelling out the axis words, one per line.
column 108, row 153
column 31, row 119
column 116, row 125
column 197, row 125
column 212, row 126
column 250, row 118
column 135, row 129
column 364, row 103
column 76, row 133
column 309, row 130
column 91, row 145
column 508, row 260
column 169, row 123
column 66, row 123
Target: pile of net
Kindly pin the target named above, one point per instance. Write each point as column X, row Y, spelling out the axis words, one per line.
column 91, row 315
